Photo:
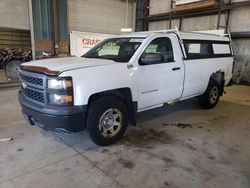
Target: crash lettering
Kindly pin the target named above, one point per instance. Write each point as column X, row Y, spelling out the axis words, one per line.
column 90, row 42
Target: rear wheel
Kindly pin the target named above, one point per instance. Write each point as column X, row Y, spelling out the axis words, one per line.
column 211, row 96
column 107, row 120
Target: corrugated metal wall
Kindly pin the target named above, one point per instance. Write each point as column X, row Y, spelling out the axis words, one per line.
column 42, row 19
column 47, row 34
column 239, row 21
column 99, row 16
column 14, row 14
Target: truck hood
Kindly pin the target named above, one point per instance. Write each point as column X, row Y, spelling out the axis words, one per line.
column 67, row 63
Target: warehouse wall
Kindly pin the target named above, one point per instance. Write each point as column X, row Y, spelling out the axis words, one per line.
column 14, row 24
column 99, row 16
column 14, row 14
column 239, row 21
column 15, row 39
column 159, row 6
column 50, row 36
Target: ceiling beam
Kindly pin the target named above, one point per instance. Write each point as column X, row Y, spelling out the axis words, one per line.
column 194, row 13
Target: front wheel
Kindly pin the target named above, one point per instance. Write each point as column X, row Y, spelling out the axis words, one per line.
column 107, row 120
column 211, row 96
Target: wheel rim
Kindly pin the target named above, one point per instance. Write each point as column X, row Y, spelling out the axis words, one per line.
column 214, row 94
column 110, row 122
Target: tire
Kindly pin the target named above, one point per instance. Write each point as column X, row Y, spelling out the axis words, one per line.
column 211, row 96
column 107, row 120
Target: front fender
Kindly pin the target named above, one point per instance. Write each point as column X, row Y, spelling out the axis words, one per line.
column 88, row 81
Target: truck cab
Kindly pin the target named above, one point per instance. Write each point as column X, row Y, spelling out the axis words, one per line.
column 104, row 89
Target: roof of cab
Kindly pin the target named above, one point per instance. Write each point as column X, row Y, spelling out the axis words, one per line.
column 183, row 35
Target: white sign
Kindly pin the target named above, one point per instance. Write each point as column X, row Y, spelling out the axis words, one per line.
column 81, row 42
column 183, row 2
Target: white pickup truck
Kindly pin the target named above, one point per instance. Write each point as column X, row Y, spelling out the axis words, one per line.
column 104, row 89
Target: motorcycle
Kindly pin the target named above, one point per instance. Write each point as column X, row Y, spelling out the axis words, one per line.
column 11, row 60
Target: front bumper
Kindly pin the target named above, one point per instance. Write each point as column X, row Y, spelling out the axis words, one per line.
column 54, row 118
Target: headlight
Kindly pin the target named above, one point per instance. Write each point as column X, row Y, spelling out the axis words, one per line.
column 59, row 84
column 60, row 99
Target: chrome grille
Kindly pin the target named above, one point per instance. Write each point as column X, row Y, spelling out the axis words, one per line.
column 34, row 95
column 32, row 80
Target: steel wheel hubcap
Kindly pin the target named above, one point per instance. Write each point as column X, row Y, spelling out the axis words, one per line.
column 213, row 96
column 110, row 122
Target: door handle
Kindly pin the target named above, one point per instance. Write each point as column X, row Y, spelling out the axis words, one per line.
column 176, row 68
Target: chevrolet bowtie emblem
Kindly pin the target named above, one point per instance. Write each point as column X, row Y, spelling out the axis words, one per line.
column 24, row 84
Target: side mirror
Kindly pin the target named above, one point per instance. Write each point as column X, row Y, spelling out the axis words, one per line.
column 151, row 58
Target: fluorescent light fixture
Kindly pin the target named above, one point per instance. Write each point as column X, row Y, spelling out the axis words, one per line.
column 126, row 29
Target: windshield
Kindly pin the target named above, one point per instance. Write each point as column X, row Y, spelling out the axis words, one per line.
column 117, row 49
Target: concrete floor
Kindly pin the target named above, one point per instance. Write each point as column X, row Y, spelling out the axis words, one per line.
column 175, row 146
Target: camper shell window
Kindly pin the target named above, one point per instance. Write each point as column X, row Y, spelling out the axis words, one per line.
column 199, row 49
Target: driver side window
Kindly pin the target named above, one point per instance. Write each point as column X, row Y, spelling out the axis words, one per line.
column 160, row 46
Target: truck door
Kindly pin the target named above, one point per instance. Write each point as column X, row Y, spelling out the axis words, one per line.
column 160, row 81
